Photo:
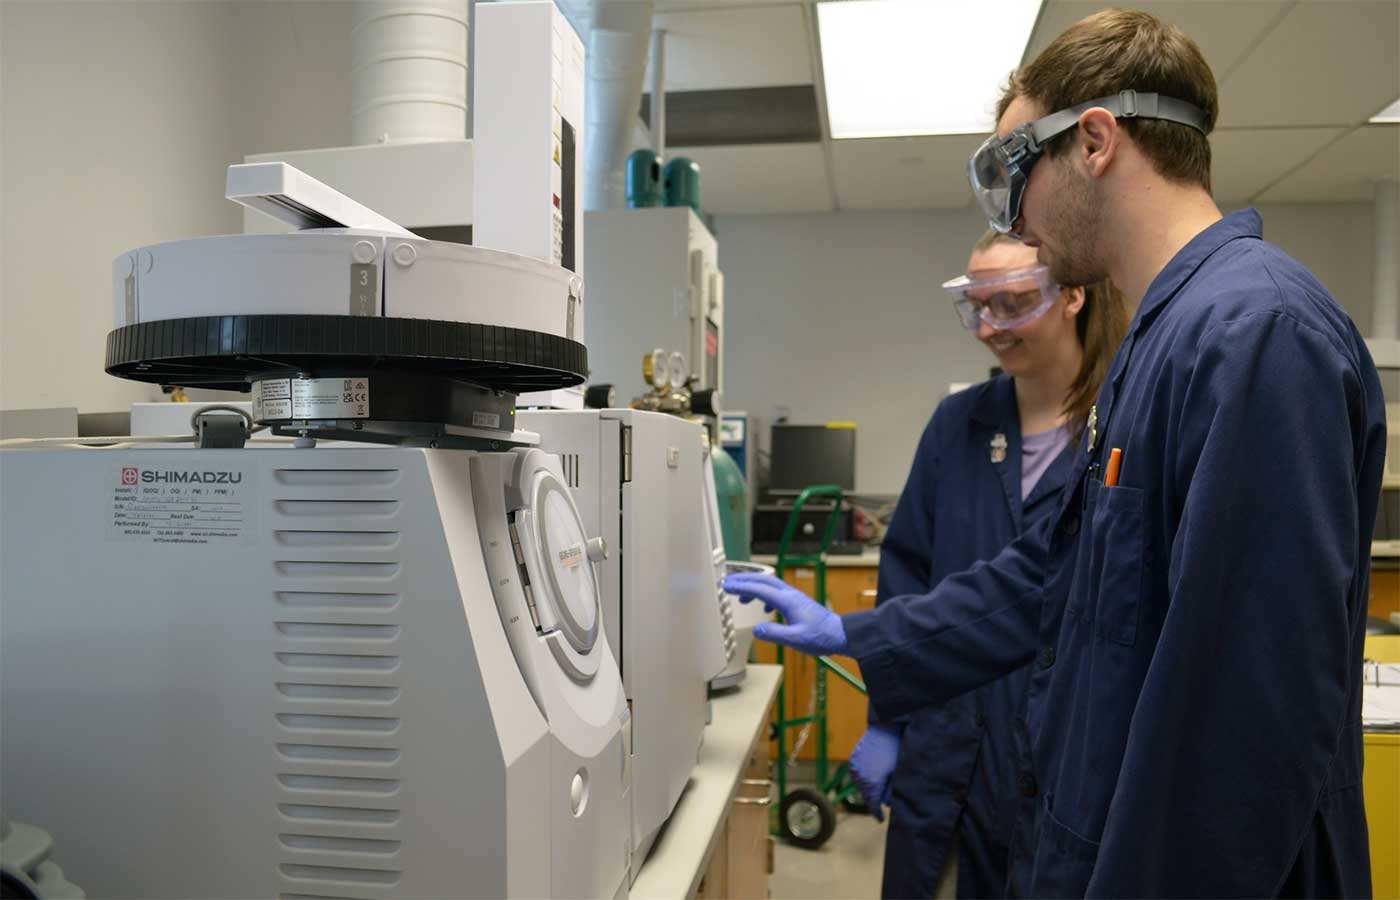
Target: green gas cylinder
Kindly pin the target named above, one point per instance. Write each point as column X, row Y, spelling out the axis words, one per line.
column 733, row 495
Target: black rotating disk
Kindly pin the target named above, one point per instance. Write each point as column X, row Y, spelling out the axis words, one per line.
column 230, row 352
column 357, row 377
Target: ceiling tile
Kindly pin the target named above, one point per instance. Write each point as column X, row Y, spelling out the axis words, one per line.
column 732, row 47
column 760, row 178
column 903, row 173
column 1223, row 29
column 1345, row 171
column 1245, row 161
column 711, row 5
column 1327, row 63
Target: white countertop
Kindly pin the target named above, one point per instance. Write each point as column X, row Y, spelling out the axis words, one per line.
column 1379, row 550
column 682, row 851
column 870, row 558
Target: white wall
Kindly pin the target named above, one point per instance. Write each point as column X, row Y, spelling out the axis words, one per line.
column 119, row 119
column 840, row 316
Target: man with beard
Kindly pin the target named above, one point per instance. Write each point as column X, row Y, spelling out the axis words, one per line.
column 1194, row 610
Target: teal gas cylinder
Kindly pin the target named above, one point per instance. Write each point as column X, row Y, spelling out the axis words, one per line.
column 681, row 182
column 733, row 495
column 643, row 179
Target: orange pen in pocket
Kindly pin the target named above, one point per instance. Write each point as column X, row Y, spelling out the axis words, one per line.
column 1115, row 462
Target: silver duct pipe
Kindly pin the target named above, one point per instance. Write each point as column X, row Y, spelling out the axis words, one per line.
column 616, row 37
column 658, row 93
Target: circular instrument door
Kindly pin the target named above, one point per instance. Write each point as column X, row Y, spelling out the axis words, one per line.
column 567, row 584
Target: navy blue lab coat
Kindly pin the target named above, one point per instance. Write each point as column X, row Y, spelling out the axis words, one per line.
column 961, row 762
column 1197, row 630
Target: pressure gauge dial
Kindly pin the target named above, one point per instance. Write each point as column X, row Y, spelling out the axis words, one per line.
column 680, row 372
column 656, row 369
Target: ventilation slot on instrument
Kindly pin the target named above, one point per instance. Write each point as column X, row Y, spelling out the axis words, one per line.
column 382, row 571
column 339, row 844
column 323, row 753
column 350, row 693
column 572, row 470
column 342, row 875
column 328, row 600
column 346, row 815
column 337, row 477
column 339, row 723
column 338, row 631
column 338, row 508
column 339, row 784
column 313, row 897
column 349, row 540
column 333, row 661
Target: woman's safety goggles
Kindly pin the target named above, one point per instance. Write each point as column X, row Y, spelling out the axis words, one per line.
column 1001, row 167
column 1007, row 299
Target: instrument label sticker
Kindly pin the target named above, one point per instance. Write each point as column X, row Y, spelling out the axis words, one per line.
column 165, row 503
column 272, row 399
column 330, row 398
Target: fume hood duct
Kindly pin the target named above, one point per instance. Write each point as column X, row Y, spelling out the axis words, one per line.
column 617, row 34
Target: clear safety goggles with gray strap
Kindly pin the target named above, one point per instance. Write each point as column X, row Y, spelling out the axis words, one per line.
column 1001, row 167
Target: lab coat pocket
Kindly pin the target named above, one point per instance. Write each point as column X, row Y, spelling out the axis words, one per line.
column 1064, row 861
column 1117, row 534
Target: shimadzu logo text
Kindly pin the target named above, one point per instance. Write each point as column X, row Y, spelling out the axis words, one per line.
column 153, row 476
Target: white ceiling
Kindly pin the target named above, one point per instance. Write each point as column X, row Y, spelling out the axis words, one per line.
column 1223, row 29
column 759, row 46
column 1297, row 78
column 1328, row 62
column 903, row 173
column 1246, row 161
column 763, row 178
column 1343, row 171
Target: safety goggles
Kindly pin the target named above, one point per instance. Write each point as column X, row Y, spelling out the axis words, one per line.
column 1001, row 167
column 1003, row 300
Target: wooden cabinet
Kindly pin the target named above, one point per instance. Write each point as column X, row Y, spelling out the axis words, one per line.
column 743, row 856
column 1385, row 587
column 848, row 588
column 748, row 844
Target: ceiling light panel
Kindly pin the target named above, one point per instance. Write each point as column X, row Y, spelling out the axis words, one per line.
column 913, row 67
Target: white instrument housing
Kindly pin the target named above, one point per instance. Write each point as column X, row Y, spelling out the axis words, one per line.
column 639, row 481
column 271, row 671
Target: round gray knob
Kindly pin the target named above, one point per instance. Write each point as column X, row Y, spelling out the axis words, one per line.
column 597, row 549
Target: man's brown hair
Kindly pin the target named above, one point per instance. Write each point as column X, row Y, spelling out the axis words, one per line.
column 1119, row 50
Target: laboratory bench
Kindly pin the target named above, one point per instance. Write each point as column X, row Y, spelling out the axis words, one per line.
column 716, row 843
column 869, row 559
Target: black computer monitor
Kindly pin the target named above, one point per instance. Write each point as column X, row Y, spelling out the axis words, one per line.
column 804, row 455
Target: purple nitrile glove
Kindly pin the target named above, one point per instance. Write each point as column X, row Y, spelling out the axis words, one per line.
column 810, row 627
column 872, row 764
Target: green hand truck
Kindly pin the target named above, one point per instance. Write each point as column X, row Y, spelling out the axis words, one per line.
column 805, row 816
